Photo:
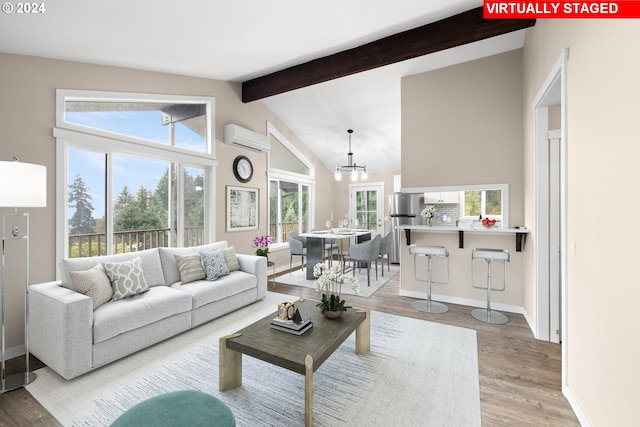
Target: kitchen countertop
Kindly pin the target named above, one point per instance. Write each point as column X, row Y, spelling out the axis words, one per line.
column 520, row 233
column 470, row 229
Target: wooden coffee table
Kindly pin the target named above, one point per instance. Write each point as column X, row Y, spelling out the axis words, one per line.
column 302, row 354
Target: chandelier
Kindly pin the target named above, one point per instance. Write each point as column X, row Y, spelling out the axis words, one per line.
column 351, row 167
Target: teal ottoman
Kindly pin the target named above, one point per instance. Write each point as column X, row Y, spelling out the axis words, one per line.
column 178, row 409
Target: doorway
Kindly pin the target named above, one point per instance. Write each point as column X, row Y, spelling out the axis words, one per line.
column 551, row 208
column 366, row 207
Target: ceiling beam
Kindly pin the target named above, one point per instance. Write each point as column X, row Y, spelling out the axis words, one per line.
column 457, row 30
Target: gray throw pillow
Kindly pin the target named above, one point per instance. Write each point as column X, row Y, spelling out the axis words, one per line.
column 93, row 283
column 127, row 278
column 214, row 264
column 190, row 267
column 231, row 259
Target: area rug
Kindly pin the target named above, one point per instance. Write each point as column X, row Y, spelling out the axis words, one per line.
column 299, row 278
column 417, row 373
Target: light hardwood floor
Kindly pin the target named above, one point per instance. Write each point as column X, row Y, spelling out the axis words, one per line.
column 519, row 375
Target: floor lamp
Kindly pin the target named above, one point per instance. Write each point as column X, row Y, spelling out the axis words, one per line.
column 22, row 185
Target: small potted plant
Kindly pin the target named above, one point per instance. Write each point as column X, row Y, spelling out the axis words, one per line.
column 429, row 212
column 261, row 243
column 329, row 282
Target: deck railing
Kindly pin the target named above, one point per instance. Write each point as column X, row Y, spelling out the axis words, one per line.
column 286, row 228
column 94, row 244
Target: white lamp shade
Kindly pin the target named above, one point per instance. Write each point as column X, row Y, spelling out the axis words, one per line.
column 23, row 185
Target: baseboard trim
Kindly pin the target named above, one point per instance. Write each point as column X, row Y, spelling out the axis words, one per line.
column 14, row 352
column 465, row 301
column 577, row 409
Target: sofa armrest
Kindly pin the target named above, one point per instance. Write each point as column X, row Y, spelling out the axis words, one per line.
column 60, row 328
column 257, row 265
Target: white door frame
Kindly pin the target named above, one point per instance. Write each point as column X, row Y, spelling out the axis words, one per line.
column 370, row 186
column 552, row 92
column 555, row 233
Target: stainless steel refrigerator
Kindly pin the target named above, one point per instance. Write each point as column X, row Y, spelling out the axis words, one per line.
column 404, row 209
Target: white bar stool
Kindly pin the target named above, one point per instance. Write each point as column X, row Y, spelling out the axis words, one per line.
column 429, row 306
column 490, row 255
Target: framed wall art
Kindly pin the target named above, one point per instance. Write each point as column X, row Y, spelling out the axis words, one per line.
column 242, row 208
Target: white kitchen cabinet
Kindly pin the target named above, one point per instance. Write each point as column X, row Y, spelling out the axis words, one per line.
column 442, row 197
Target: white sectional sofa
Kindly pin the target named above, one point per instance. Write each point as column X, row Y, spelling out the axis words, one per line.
column 72, row 338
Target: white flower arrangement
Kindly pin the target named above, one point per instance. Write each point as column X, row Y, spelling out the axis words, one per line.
column 429, row 212
column 330, row 279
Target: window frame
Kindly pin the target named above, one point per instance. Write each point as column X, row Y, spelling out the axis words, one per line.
column 483, row 205
column 504, row 218
column 63, row 95
column 69, row 135
column 274, row 174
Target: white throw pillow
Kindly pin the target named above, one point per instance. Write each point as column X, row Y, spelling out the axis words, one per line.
column 127, row 278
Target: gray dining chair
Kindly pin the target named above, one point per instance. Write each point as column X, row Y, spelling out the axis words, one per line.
column 297, row 246
column 385, row 249
column 365, row 252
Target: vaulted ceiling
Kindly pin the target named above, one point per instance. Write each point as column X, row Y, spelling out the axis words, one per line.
column 321, row 67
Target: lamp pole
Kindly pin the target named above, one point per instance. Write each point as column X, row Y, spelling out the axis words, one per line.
column 21, row 185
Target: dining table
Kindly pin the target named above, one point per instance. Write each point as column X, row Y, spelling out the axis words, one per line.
column 317, row 239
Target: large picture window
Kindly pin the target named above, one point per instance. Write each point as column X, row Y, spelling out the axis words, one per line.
column 125, row 190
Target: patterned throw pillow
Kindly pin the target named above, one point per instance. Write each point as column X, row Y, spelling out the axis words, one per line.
column 231, row 259
column 93, row 283
column 190, row 267
column 214, row 264
column 127, row 278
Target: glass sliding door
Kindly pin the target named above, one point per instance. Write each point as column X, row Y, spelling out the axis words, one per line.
column 194, row 191
column 288, row 209
column 86, row 203
column 140, row 214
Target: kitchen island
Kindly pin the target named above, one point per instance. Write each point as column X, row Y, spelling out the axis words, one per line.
column 460, row 241
column 519, row 232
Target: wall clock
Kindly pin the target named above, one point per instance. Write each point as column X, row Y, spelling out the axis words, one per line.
column 243, row 169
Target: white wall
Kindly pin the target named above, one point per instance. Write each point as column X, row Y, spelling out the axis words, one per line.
column 603, row 149
column 462, row 125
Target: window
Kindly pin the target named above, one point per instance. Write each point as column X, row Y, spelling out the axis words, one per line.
column 476, row 203
column 490, row 200
column 290, row 188
column 177, row 124
column 126, row 187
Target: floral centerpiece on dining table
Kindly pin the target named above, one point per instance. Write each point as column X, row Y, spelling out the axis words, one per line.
column 329, row 281
column 261, row 243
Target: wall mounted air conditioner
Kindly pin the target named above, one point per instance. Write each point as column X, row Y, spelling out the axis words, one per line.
column 244, row 138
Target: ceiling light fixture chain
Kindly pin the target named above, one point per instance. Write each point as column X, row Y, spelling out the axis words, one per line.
column 351, row 167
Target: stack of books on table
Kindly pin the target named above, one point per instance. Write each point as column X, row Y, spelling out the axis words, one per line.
column 292, row 327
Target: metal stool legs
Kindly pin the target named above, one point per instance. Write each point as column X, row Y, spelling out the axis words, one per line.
column 488, row 315
column 428, row 305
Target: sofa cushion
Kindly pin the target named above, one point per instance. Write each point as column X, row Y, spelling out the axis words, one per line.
column 205, row 292
column 170, row 268
column 231, row 258
column 214, row 264
column 150, row 258
column 118, row 317
column 93, row 283
column 127, row 278
column 211, row 246
column 190, row 267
